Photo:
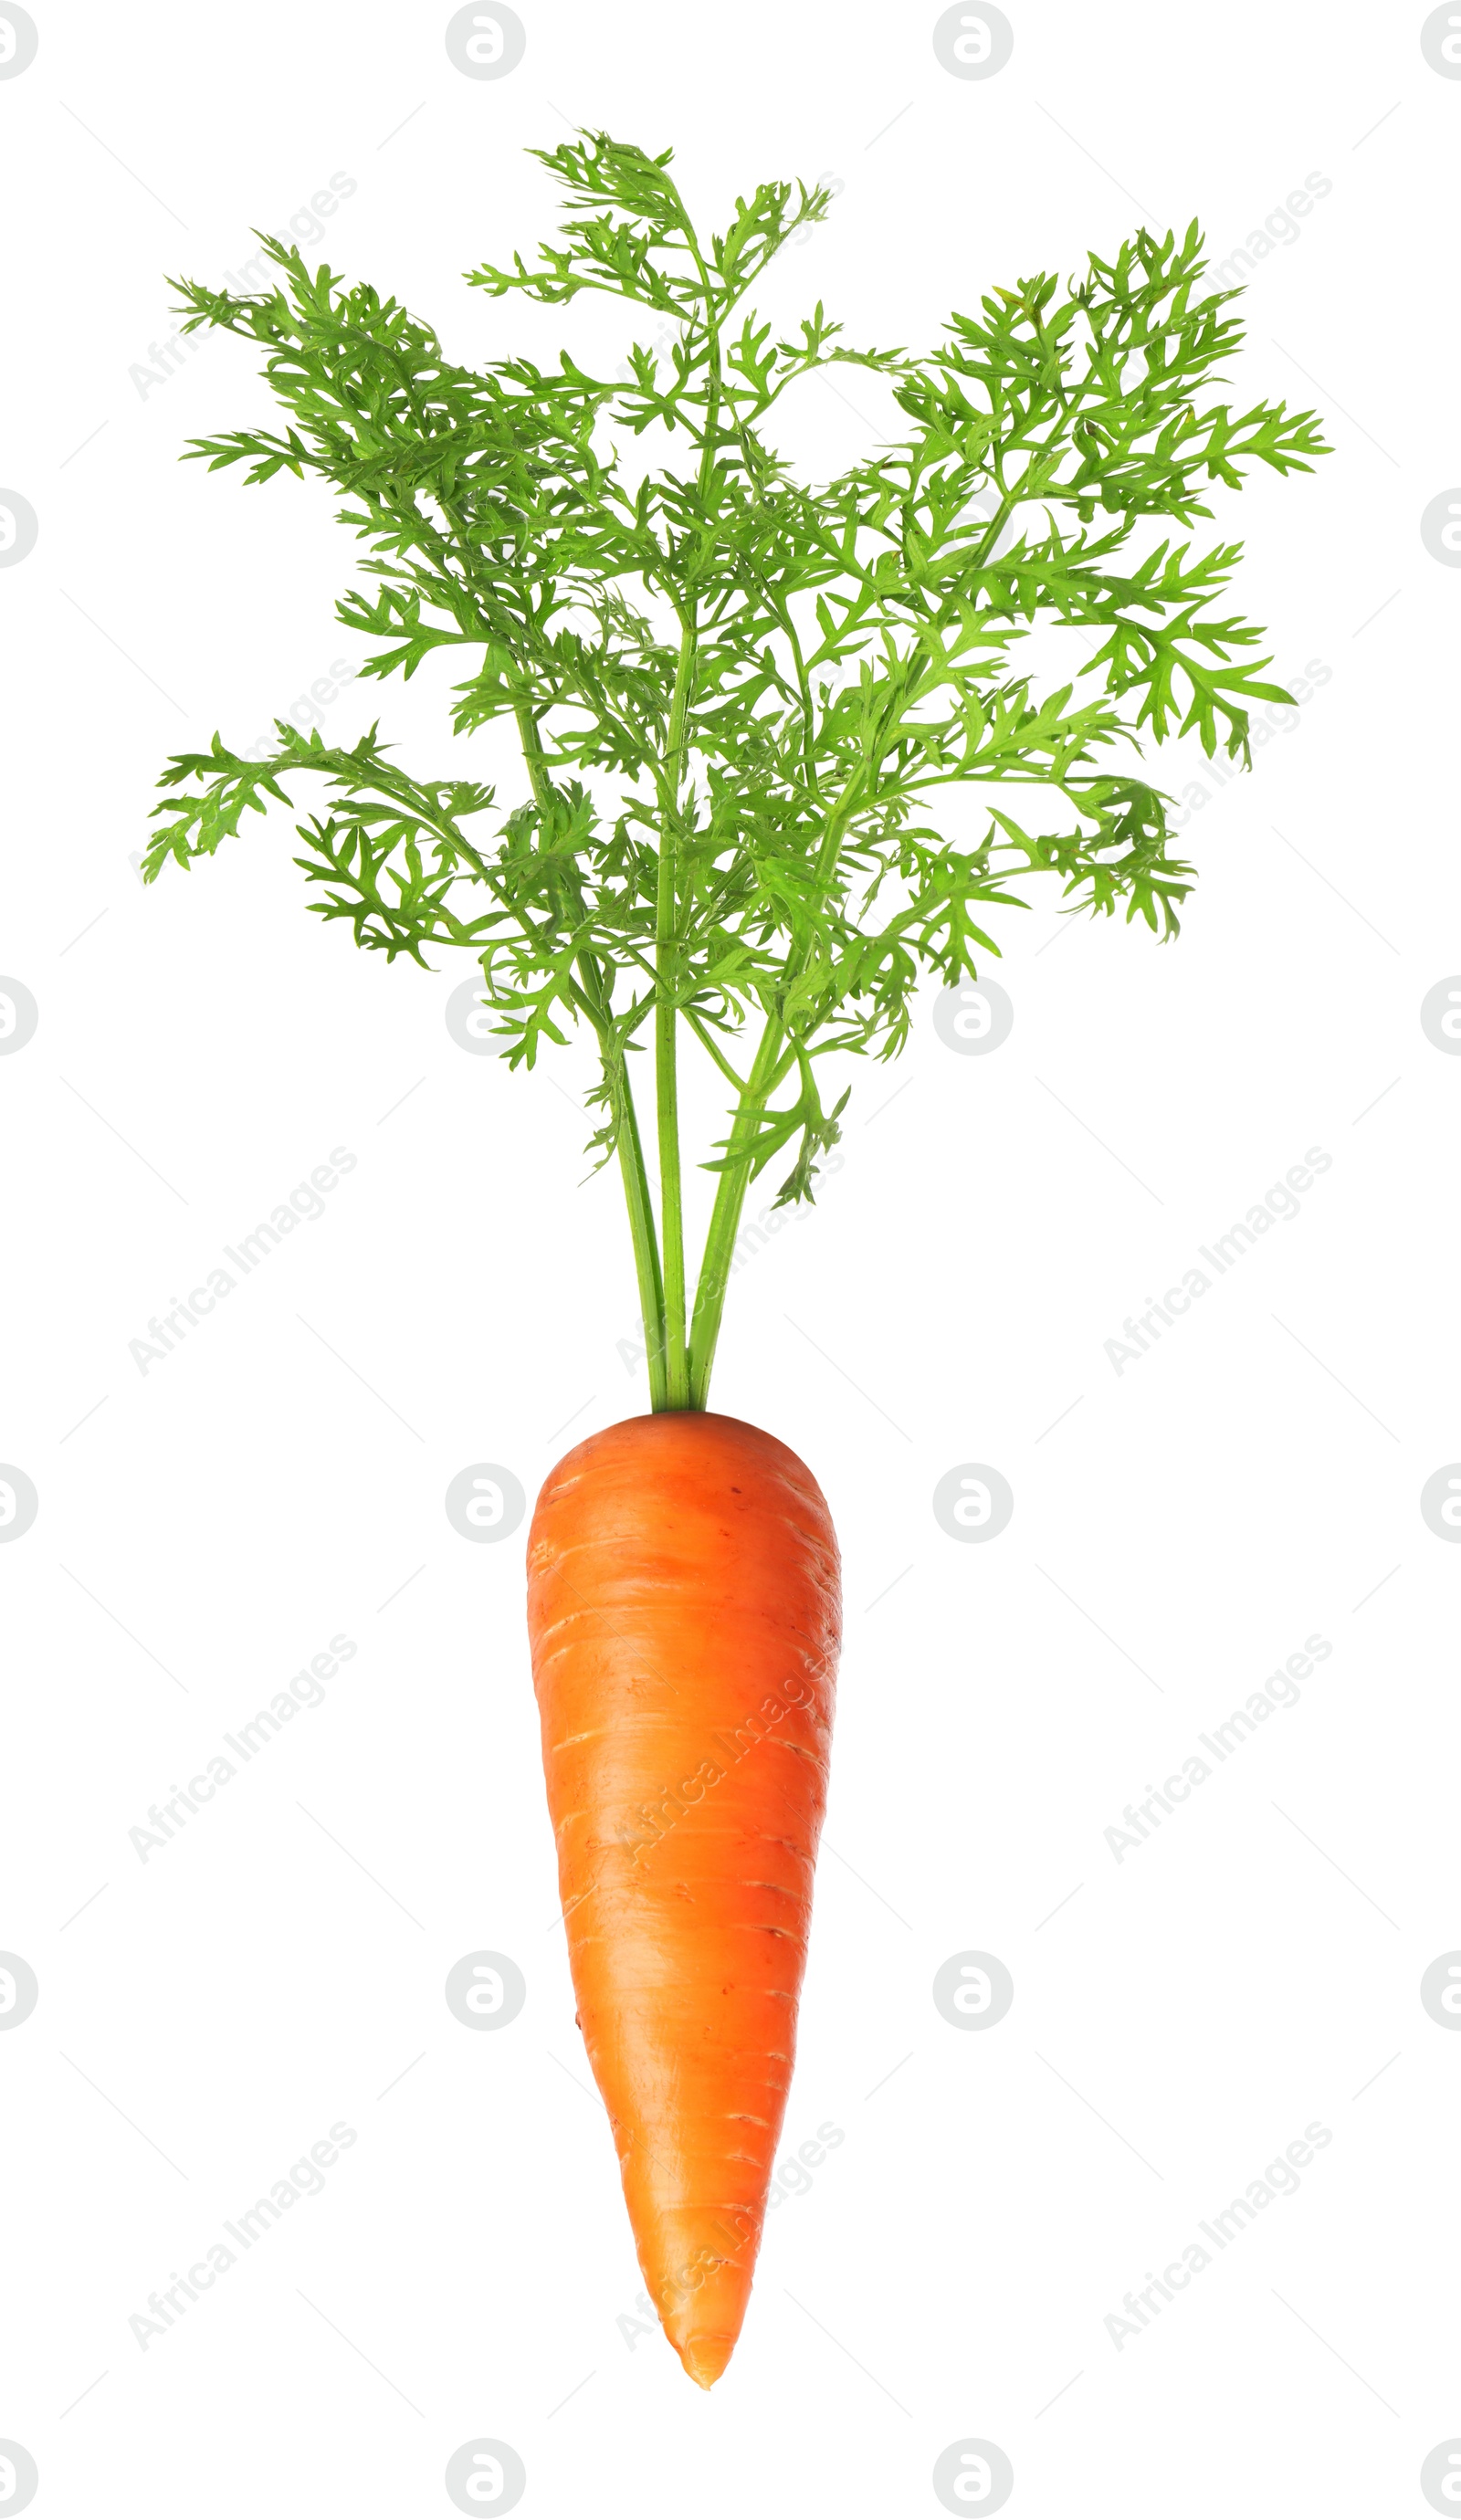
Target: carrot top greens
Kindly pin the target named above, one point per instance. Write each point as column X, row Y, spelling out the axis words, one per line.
column 738, row 696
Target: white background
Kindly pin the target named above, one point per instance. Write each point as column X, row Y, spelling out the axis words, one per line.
column 1179, row 1529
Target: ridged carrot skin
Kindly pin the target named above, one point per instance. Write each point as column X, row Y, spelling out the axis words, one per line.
column 684, row 1610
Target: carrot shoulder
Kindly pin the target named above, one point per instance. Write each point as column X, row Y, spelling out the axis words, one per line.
column 684, row 1612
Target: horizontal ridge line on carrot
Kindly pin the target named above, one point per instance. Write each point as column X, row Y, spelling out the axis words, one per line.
column 738, row 698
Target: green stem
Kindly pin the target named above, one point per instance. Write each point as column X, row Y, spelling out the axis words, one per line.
column 735, row 1180
column 641, row 1232
column 667, row 1084
column 725, row 1215
column 536, row 757
column 677, row 1393
column 631, row 1161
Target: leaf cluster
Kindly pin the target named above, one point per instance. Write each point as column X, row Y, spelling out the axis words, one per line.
column 740, row 698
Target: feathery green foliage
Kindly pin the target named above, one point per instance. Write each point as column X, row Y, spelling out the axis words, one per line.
column 739, row 698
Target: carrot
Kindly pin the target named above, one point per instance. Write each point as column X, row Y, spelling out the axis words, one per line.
column 744, row 704
column 684, row 1611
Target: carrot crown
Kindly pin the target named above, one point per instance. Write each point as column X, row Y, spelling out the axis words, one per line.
column 739, row 698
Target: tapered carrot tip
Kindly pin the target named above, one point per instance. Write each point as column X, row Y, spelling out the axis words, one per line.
column 703, row 2292
column 684, row 1611
column 705, row 2356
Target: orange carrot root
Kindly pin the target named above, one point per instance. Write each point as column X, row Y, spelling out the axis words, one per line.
column 684, row 1610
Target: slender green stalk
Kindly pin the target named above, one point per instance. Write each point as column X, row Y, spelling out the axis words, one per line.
column 726, row 1216
column 666, row 1082
column 641, row 1235
column 622, row 1106
column 735, row 1180
column 667, row 955
column 671, row 1219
